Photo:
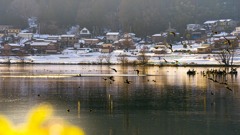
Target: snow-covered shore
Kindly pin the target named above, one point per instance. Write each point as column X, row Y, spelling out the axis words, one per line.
column 93, row 58
column 71, row 56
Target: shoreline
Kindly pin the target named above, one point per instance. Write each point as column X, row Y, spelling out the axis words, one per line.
column 106, row 64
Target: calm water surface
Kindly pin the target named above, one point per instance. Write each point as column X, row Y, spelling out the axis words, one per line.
column 160, row 101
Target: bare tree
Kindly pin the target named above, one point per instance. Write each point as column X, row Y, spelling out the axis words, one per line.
column 123, row 59
column 100, row 59
column 21, row 56
column 226, row 57
column 142, row 57
column 108, row 58
column 127, row 43
column 7, row 53
column 223, row 57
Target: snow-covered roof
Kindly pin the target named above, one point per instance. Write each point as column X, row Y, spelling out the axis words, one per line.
column 142, row 42
column 225, row 20
column 132, row 34
column 23, row 40
column 100, row 37
column 115, row 42
column 193, row 24
column 157, row 35
column 22, row 33
column 224, row 38
column 228, row 37
column 81, row 41
column 39, row 40
column 202, row 47
column 202, row 29
column 92, row 39
column 51, row 41
column 112, row 33
column 100, row 43
column 53, row 37
column 14, row 45
column 129, row 34
column 67, row 35
column 210, row 22
column 85, row 31
column 39, row 43
column 15, row 49
column 221, row 34
column 42, row 36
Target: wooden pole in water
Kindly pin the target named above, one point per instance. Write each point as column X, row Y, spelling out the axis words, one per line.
column 110, row 104
column 78, row 109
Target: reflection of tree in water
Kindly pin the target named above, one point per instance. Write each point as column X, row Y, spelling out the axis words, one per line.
column 125, row 99
column 124, row 69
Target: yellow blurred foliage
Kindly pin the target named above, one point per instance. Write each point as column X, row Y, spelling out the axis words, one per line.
column 40, row 121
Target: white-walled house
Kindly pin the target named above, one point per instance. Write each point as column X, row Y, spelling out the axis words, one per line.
column 220, row 25
column 85, row 33
column 112, row 37
column 26, row 35
column 210, row 24
column 236, row 32
column 193, row 27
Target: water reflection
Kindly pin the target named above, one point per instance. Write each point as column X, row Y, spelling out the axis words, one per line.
column 159, row 101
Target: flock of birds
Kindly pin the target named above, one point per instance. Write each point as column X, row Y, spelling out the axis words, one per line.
column 216, row 76
column 213, row 75
column 111, row 78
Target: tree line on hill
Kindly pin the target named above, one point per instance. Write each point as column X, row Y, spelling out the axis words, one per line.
column 139, row 16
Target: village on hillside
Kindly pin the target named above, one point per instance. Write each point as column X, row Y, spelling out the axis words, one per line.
column 213, row 42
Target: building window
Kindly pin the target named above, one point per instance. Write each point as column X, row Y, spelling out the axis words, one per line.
column 84, row 31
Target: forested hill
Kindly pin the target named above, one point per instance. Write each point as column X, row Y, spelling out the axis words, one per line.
column 140, row 16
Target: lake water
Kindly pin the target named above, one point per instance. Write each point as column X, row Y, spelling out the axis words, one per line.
column 158, row 101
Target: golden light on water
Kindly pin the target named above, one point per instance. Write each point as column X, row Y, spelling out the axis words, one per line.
column 40, row 121
column 66, row 75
